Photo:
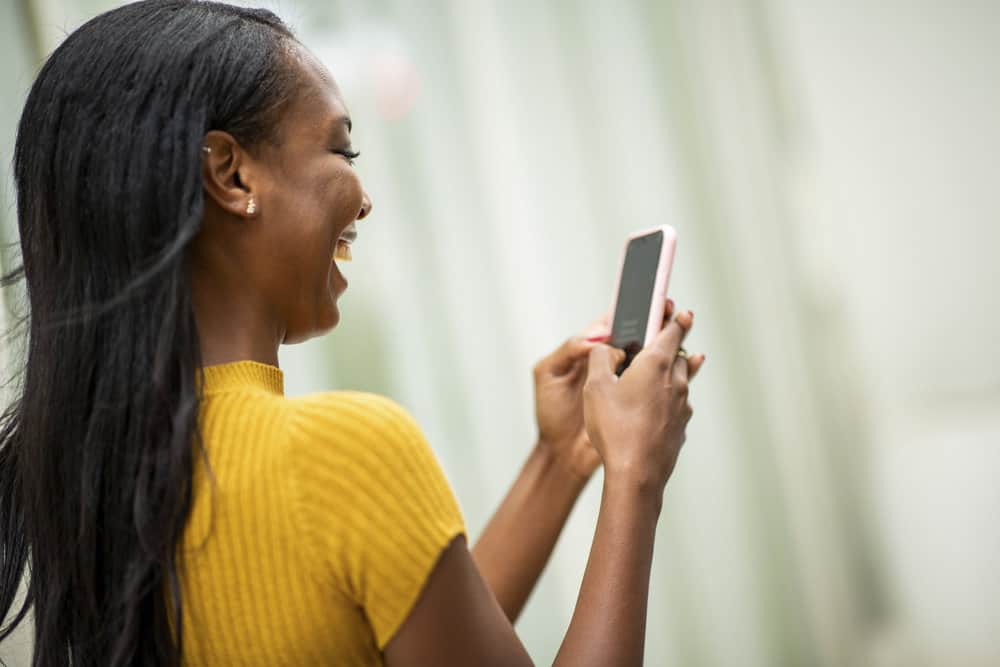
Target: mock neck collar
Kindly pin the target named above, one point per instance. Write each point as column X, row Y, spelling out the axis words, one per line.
column 244, row 374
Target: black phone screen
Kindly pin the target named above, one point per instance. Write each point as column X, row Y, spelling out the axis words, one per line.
column 635, row 295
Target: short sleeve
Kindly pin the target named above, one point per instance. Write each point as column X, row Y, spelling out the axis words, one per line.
column 374, row 501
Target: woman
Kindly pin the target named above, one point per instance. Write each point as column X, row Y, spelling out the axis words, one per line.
column 184, row 176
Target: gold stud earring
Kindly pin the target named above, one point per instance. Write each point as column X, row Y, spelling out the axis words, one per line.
column 206, row 149
column 251, row 206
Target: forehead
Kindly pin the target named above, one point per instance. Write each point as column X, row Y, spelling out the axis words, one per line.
column 318, row 105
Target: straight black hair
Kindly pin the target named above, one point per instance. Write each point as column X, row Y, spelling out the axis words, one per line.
column 97, row 448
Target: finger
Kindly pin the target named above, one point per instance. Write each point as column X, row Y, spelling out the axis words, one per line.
column 668, row 312
column 695, row 362
column 567, row 355
column 670, row 338
column 603, row 362
column 679, row 376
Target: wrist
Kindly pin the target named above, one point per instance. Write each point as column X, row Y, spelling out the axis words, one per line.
column 638, row 484
column 556, row 469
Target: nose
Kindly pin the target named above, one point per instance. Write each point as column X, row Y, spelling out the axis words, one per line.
column 366, row 207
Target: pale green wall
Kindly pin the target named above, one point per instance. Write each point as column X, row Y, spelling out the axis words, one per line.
column 17, row 56
column 831, row 168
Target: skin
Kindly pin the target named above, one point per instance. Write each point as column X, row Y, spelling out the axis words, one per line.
column 266, row 278
column 636, row 425
column 511, row 553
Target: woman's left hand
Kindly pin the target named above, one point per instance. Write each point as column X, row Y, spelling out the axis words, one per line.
column 559, row 380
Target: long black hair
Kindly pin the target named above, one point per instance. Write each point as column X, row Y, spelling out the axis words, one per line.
column 98, row 446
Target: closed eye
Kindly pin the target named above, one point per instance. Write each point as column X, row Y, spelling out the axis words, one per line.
column 350, row 155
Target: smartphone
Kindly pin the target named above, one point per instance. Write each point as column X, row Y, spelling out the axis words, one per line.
column 641, row 291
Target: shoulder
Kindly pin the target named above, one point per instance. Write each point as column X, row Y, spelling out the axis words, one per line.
column 350, row 420
column 366, row 444
column 363, row 407
column 376, row 505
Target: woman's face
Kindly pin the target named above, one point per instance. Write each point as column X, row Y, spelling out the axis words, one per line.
column 307, row 197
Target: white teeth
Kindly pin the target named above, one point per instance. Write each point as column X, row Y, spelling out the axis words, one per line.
column 343, row 252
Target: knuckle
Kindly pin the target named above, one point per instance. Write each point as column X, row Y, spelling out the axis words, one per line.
column 659, row 359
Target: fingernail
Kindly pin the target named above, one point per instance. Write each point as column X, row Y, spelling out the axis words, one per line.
column 670, row 304
column 691, row 315
column 598, row 339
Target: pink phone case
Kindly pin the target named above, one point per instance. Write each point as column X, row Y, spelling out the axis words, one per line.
column 663, row 268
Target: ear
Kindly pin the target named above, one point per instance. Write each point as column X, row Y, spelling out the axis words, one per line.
column 225, row 167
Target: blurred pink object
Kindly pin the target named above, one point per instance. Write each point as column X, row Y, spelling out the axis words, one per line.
column 396, row 85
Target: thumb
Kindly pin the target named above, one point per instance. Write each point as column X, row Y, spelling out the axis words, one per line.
column 567, row 356
column 604, row 360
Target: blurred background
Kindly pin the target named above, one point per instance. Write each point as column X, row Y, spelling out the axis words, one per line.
column 833, row 170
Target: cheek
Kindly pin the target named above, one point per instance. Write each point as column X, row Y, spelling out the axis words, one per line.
column 304, row 215
column 307, row 201
column 311, row 209
column 325, row 203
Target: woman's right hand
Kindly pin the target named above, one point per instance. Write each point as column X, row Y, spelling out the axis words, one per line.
column 637, row 421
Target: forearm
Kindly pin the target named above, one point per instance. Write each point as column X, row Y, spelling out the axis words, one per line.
column 609, row 622
column 517, row 542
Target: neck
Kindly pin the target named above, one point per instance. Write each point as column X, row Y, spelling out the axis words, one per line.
column 232, row 326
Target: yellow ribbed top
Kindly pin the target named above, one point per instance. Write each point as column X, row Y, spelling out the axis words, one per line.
column 326, row 515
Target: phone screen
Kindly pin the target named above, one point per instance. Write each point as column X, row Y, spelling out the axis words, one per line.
column 635, row 295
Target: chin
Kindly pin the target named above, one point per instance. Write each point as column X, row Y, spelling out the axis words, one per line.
column 323, row 324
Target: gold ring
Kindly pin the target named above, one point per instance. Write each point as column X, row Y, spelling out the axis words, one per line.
column 682, row 353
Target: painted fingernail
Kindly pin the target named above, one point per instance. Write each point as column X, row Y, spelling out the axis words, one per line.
column 598, row 339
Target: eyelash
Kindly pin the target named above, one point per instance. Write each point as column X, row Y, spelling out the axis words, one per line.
column 350, row 155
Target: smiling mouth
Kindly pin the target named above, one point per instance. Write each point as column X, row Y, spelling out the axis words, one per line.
column 342, row 252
